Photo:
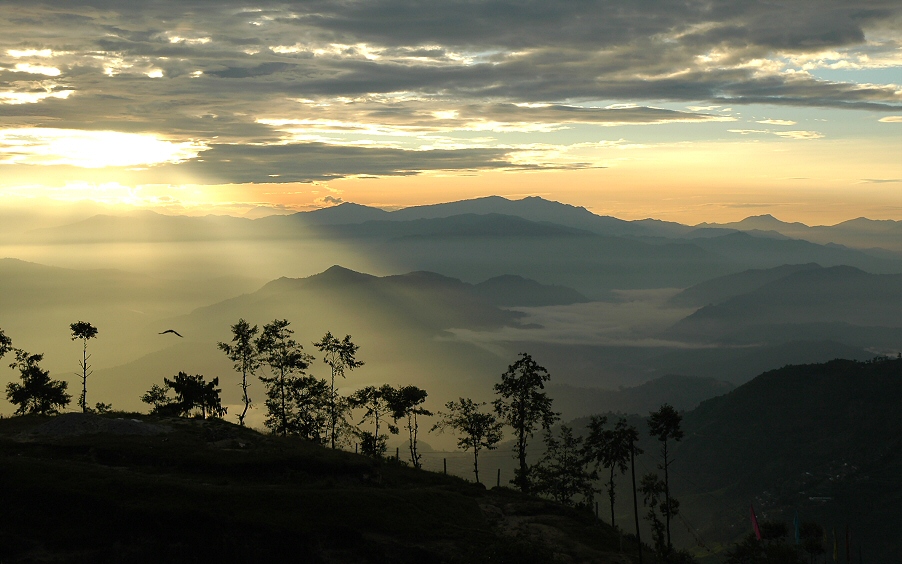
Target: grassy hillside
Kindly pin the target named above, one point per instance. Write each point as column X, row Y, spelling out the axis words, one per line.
column 130, row 488
column 823, row 439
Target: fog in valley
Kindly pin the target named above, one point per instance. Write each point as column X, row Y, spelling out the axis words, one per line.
column 601, row 311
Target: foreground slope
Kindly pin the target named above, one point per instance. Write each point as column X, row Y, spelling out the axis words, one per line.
column 823, row 439
column 129, row 488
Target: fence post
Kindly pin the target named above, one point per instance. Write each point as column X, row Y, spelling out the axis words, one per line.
column 445, row 464
column 498, row 482
column 398, row 454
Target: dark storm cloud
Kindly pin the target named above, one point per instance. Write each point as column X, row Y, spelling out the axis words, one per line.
column 307, row 162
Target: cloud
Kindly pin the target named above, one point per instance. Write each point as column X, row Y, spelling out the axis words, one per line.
column 90, row 149
column 881, row 180
column 776, row 122
column 799, row 134
column 333, row 200
column 784, row 134
column 891, row 119
column 388, row 79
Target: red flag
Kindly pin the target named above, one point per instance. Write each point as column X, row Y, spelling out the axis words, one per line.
column 755, row 523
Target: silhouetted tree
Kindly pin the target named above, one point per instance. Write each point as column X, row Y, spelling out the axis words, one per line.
column 286, row 360
column 245, row 356
column 477, row 430
column 84, row 331
column 37, row 394
column 6, row 344
column 633, row 435
column 664, row 424
column 652, row 490
column 610, row 448
column 160, row 401
column 308, row 408
column 375, row 402
column 523, row 406
column 102, row 408
column 406, row 403
column 191, row 392
column 561, row 473
column 340, row 356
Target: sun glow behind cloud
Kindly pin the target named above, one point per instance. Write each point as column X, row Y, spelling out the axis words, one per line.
column 205, row 95
column 91, row 149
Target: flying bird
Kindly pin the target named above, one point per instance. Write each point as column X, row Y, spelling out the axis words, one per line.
column 173, row 331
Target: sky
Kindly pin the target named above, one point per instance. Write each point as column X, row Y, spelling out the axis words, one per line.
column 688, row 111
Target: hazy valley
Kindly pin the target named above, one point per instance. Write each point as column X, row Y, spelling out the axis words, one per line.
column 625, row 315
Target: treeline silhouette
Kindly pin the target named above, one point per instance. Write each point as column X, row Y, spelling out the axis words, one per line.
column 312, row 409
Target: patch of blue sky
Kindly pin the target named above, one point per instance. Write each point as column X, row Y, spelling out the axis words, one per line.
column 885, row 75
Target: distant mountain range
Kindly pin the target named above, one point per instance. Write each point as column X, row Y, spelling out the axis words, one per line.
column 682, row 392
column 860, row 233
column 839, row 303
column 477, row 239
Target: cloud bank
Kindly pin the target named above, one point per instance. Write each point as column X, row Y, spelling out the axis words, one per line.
column 298, row 92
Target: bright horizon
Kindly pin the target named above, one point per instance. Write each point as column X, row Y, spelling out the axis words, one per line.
column 694, row 115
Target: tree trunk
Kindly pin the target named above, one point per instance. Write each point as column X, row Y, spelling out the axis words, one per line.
column 332, row 415
column 635, row 499
column 84, row 378
column 521, row 454
column 476, row 463
column 667, row 495
column 282, row 398
column 247, row 400
column 412, row 430
column 611, row 495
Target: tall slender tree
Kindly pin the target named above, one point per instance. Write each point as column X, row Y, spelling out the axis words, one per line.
column 477, row 430
column 286, row 360
column 634, row 450
column 245, row 356
column 664, row 424
column 652, row 488
column 340, row 356
column 407, row 403
column 84, row 331
column 375, row 402
column 610, row 448
column 525, row 407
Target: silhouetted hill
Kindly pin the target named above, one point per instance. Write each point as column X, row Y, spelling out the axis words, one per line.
column 860, row 233
column 464, row 225
column 512, row 290
column 682, row 392
column 767, row 252
column 38, row 302
column 343, row 213
column 143, row 226
column 132, row 488
column 722, row 288
column 824, row 440
column 740, row 364
column 820, row 303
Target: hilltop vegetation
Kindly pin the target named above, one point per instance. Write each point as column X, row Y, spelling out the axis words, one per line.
column 137, row 488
